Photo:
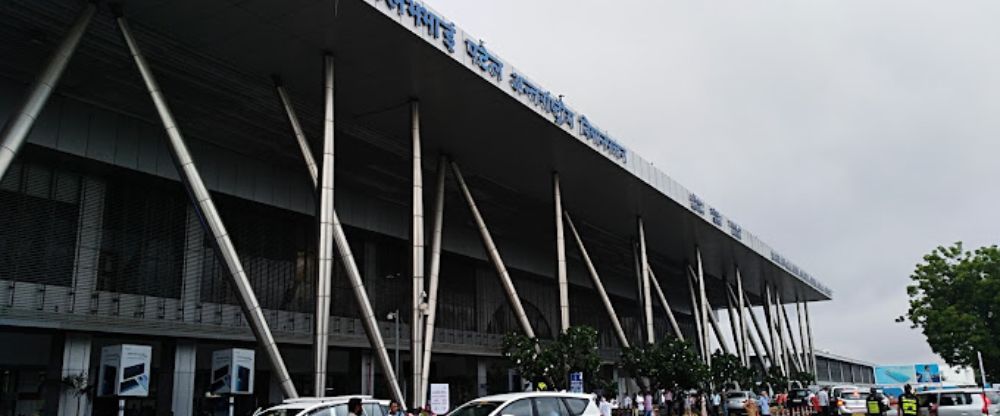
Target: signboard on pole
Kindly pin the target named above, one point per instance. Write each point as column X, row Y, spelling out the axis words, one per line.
column 124, row 370
column 576, row 382
column 232, row 371
column 439, row 398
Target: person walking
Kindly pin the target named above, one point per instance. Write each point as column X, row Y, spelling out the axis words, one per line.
column 395, row 409
column 668, row 402
column 716, row 403
column 647, row 404
column 907, row 402
column 824, row 401
column 764, row 403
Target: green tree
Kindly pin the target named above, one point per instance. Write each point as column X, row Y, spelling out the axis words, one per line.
column 776, row 379
column 728, row 372
column 804, row 378
column 955, row 301
column 669, row 363
column 551, row 362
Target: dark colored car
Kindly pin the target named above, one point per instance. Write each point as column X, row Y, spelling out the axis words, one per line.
column 799, row 397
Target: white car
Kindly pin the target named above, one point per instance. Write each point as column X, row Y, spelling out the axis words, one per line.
column 325, row 406
column 959, row 402
column 530, row 404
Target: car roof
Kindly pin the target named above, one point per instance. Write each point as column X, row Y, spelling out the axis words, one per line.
column 514, row 396
column 309, row 403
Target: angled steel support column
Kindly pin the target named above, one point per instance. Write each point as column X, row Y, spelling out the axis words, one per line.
column 757, row 327
column 743, row 319
column 734, row 327
column 22, row 119
column 704, row 306
column 491, row 250
column 357, row 286
column 596, row 280
column 809, row 332
column 434, row 272
column 696, row 314
column 791, row 352
column 324, row 279
column 210, row 219
column 760, row 353
column 666, row 305
column 417, row 260
column 804, row 356
column 293, row 121
column 718, row 333
column 775, row 345
column 646, row 294
column 561, row 256
column 791, row 336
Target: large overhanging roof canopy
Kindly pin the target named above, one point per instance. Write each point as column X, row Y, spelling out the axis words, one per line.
column 493, row 119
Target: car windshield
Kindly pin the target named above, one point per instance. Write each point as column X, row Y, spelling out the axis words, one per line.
column 736, row 395
column 800, row 393
column 478, row 408
column 283, row 412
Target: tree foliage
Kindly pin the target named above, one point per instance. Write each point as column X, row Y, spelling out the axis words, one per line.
column 728, row 372
column 551, row 362
column 955, row 301
column 670, row 363
column 804, row 378
column 776, row 379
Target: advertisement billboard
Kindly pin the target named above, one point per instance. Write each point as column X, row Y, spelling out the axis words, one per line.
column 927, row 373
column 124, row 370
column 232, row 371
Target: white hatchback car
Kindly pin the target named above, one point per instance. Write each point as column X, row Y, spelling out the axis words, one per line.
column 530, row 404
column 325, row 406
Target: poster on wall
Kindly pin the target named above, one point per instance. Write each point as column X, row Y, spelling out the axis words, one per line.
column 895, row 374
column 439, row 399
column 124, row 370
column 232, row 371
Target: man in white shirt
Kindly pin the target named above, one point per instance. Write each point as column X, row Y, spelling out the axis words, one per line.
column 824, row 401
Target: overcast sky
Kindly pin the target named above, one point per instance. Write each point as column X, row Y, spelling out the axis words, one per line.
column 852, row 136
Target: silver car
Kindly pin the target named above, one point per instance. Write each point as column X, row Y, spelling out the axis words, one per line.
column 850, row 402
column 735, row 402
column 959, row 402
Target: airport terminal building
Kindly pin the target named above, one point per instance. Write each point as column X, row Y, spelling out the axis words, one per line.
column 209, row 174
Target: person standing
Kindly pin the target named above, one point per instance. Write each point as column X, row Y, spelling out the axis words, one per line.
column 395, row 409
column 716, row 403
column 764, row 403
column 647, row 404
column 354, row 407
column 639, row 407
column 605, row 406
column 824, row 401
column 907, row 402
column 668, row 402
column 874, row 405
column 627, row 402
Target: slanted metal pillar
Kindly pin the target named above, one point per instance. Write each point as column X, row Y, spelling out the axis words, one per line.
column 666, row 305
column 718, row 333
column 646, row 294
column 759, row 330
column 695, row 312
column 357, row 285
column 775, row 345
column 434, row 272
column 804, row 357
column 491, row 251
column 596, row 280
column 704, row 306
column 561, row 256
column 760, row 353
column 743, row 319
column 210, row 219
column 300, row 136
column 324, row 279
column 734, row 327
column 794, row 356
column 22, row 119
column 417, row 260
column 809, row 332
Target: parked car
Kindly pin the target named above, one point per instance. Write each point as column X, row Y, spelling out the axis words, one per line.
column 799, row 397
column 529, row 404
column 736, row 402
column 324, row 406
column 836, row 391
column 959, row 402
column 850, row 402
